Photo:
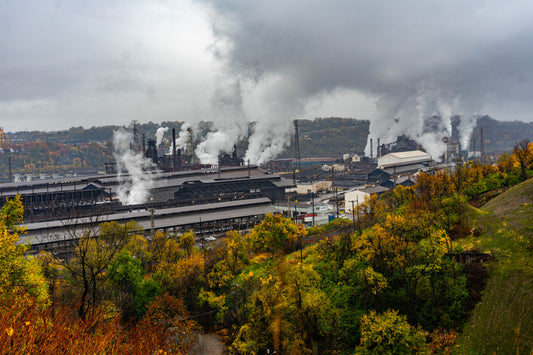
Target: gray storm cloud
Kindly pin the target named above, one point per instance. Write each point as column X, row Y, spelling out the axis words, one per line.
column 415, row 59
column 236, row 61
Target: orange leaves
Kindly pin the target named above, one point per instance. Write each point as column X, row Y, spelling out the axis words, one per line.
column 27, row 330
column 9, row 331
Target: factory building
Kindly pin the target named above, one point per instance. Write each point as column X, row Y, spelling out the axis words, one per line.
column 84, row 196
column 314, row 187
column 403, row 158
column 213, row 219
column 354, row 198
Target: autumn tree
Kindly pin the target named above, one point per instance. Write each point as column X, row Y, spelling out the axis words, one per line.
column 275, row 234
column 523, row 153
column 21, row 278
column 132, row 291
column 389, row 333
column 94, row 250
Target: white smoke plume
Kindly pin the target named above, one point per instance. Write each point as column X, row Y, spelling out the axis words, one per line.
column 414, row 60
column 268, row 140
column 183, row 137
column 424, row 115
column 159, row 135
column 135, row 180
column 230, row 123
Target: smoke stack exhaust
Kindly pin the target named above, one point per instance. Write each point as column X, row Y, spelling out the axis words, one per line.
column 173, row 149
column 297, row 149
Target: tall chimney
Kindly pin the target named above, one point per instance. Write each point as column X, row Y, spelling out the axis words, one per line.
column 179, row 159
column 297, row 149
column 481, row 143
column 173, row 149
column 371, row 149
column 378, row 150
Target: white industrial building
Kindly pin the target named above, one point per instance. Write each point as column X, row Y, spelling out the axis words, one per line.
column 314, row 187
column 403, row 158
column 353, row 198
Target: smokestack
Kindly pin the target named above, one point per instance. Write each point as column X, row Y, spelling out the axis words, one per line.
column 481, row 143
column 297, row 148
column 378, row 153
column 179, row 159
column 135, row 139
column 173, row 149
column 371, row 149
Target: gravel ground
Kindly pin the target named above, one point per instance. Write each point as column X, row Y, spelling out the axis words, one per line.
column 208, row 344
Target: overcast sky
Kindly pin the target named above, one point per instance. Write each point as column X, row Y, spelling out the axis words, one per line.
column 91, row 63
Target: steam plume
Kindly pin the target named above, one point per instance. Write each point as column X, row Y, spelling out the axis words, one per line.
column 430, row 59
column 134, row 179
column 184, row 135
column 230, row 123
column 159, row 135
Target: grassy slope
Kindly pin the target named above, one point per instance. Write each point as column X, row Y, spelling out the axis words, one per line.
column 502, row 322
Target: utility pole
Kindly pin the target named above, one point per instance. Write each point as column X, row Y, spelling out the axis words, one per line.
column 313, row 204
column 289, row 207
column 152, row 221
column 358, row 221
column 353, row 216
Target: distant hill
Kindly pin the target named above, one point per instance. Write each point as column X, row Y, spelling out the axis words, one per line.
column 501, row 136
column 88, row 148
column 330, row 137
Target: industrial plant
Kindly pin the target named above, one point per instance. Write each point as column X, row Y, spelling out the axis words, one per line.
column 173, row 192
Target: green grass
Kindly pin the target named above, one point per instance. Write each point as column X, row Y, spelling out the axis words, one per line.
column 502, row 323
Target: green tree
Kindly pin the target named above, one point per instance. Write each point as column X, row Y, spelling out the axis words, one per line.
column 389, row 333
column 275, row 234
column 523, row 153
column 133, row 292
column 187, row 242
column 19, row 276
column 94, row 250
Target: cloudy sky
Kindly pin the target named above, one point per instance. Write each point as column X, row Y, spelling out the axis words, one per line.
column 71, row 63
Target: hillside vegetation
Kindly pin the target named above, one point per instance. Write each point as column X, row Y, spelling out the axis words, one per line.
column 394, row 282
column 503, row 321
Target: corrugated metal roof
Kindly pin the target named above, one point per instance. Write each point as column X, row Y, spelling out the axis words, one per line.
column 410, row 154
column 167, row 218
column 400, row 169
column 140, row 214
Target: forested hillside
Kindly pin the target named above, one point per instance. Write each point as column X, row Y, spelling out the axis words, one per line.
column 82, row 150
column 501, row 136
column 330, row 137
column 87, row 150
column 394, row 282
